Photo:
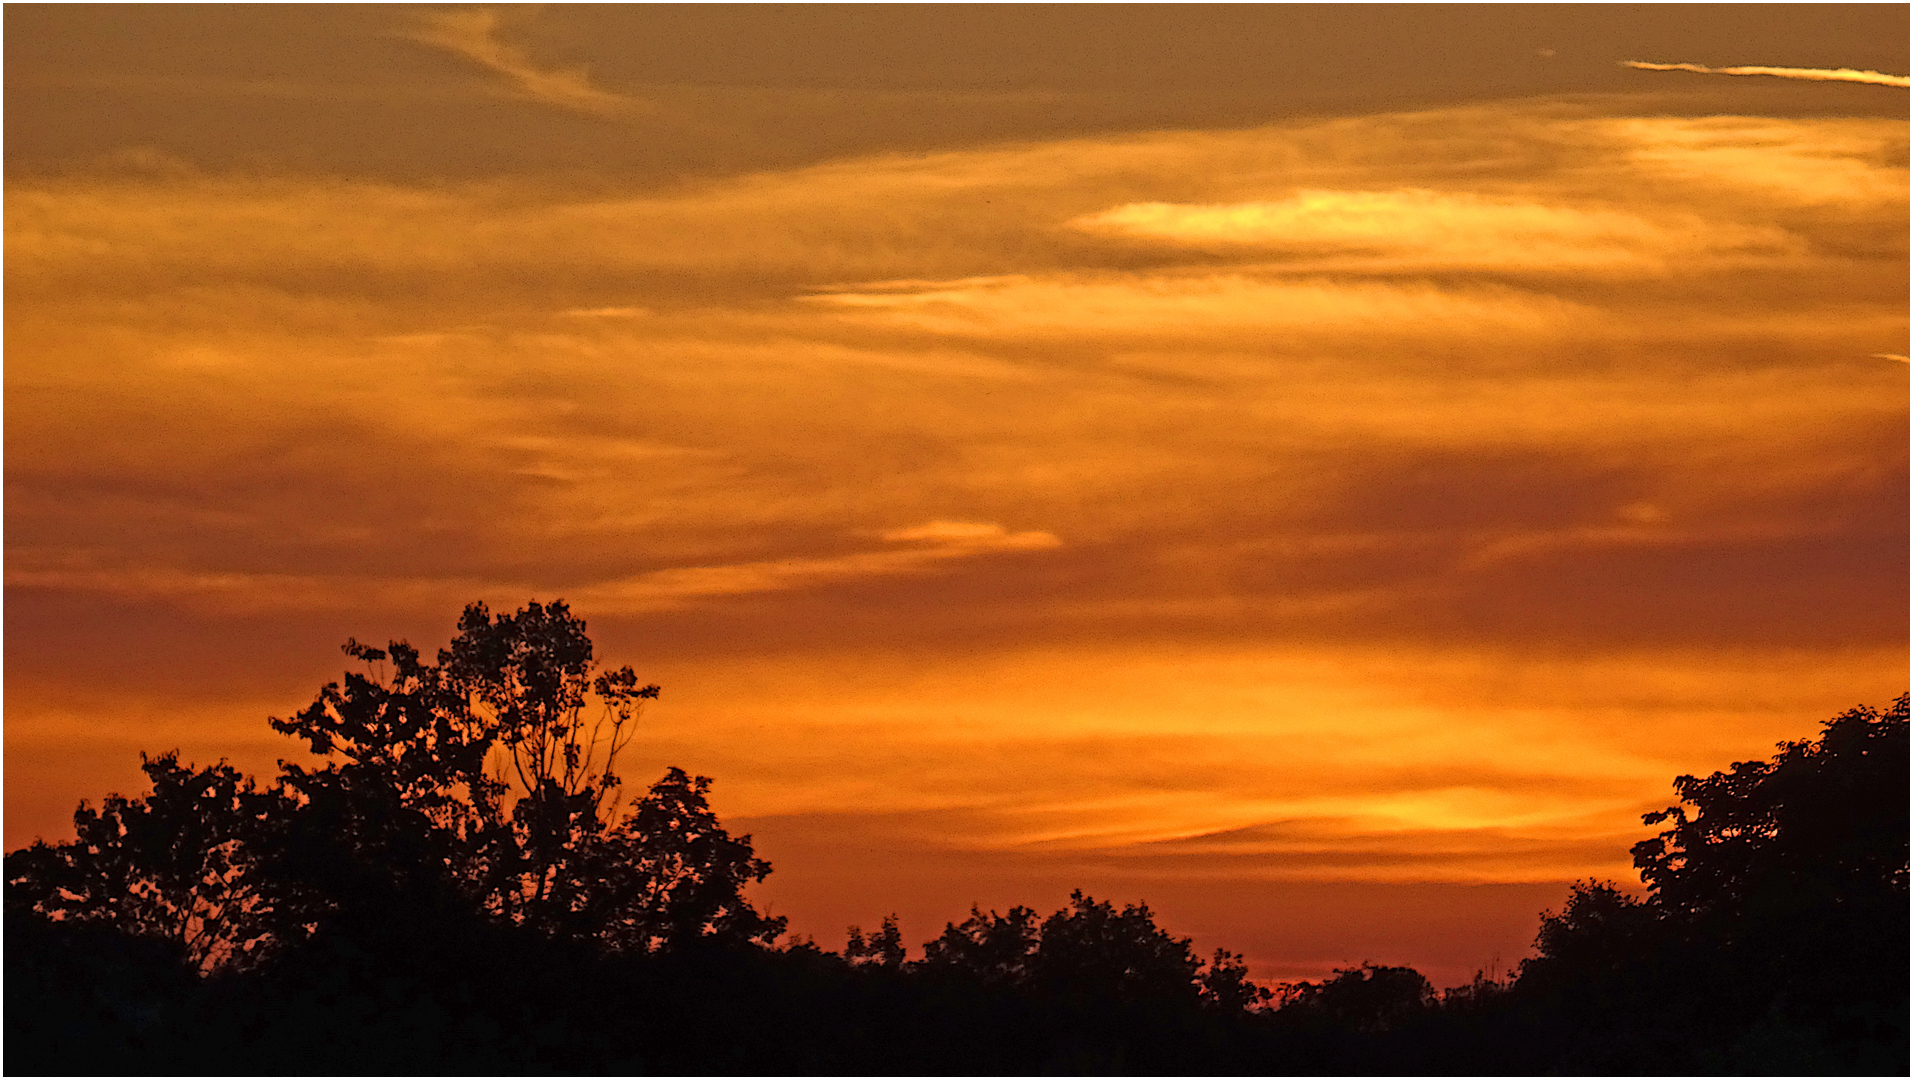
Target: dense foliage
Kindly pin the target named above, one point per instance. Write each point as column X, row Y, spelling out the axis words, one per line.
column 482, row 785
column 1774, row 927
column 460, row 887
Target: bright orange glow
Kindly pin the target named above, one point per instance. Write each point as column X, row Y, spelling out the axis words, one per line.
column 1284, row 519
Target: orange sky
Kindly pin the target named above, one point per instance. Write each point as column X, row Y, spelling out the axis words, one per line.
column 1322, row 471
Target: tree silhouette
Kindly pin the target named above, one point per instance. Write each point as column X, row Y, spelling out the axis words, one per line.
column 1371, row 998
column 1813, row 839
column 992, row 951
column 1773, row 932
column 459, row 885
column 669, row 874
column 182, row 864
column 527, row 678
column 883, row 950
column 1790, row 875
column 1820, row 828
column 1225, row 986
column 1090, row 949
column 402, row 816
column 481, row 764
column 1600, row 929
column 475, row 786
column 1087, row 950
column 486, row 774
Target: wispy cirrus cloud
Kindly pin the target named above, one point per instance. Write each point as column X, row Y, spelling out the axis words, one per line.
column 1875, row 78
column 474, row 35
column 912, row 550
column 1122, row 305
column 931, row 543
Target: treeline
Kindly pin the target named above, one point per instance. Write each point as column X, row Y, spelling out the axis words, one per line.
column 462, row 887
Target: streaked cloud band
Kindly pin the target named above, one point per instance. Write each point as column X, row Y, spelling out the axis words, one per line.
column 919, row 549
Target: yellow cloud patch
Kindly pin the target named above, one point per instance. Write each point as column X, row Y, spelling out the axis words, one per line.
column 1421, row 230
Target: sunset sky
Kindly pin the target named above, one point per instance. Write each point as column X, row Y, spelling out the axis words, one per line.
column 1321, row 470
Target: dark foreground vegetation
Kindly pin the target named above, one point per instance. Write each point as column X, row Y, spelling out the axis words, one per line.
column 462, row 889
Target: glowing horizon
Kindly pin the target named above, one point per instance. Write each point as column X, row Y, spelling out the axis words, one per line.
column 1364, row 510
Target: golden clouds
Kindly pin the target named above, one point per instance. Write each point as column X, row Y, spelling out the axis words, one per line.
column 1112, row 499
column 749, row 386
column 1422, row 230
column 1269, row 762
column 1152, row 503
column 1856, row 166
column 1305, row 191
column 1047, row 335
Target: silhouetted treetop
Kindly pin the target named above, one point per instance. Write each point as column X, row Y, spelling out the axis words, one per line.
column 481, row 783
column 1821, row 826
column 669, row 874
column 1600, row 930
column 186, row 863
column 989, row 950
column 1773, row 931
column 1088, row 950
column 883, row 950
column 1370, row 998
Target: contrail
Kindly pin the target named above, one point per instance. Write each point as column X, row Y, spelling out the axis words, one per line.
column 1813, row 74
